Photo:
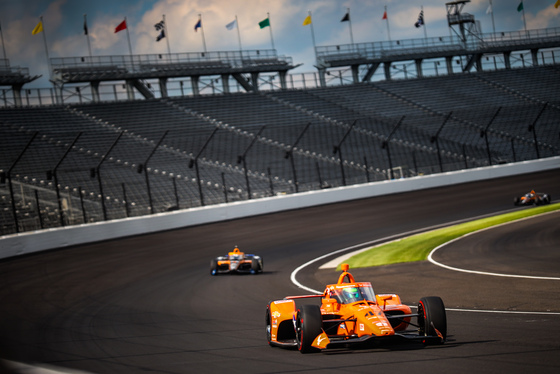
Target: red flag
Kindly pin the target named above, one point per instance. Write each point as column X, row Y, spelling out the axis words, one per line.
column 121, row 26
column 384, row 15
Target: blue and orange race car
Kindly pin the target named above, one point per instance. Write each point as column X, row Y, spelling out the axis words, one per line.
column 530, row 198
column 236, row 262
column 350, row 313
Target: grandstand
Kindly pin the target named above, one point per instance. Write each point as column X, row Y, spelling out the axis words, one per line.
column 70, row 162
column 111, row 160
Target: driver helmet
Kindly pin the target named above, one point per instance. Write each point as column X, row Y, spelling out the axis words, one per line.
column 351, row 293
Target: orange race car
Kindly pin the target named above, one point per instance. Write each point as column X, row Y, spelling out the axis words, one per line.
column 236, row 262
column 530, row 198
column 351, row 313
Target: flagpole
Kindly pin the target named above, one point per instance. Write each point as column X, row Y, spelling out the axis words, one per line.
column 45, row 42
column 492, row 12
column 238, row 33
column 270, row 27
column 387, row 19
column 312, row 34
column 87, row 35
column 166, row 35
column 523, row 11
column 424, row 21
column 202, row 30
column 128, row 37
column 350, row 27
column 3, row 45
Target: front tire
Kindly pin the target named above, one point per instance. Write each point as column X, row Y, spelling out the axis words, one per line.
column 268, row 319
column 432, row 318
column 309, row 324
column 213, row 267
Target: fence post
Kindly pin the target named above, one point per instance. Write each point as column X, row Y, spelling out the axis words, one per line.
column 385, row 145
column 145, row 167
column 98, row 172
column 435, row 138
column 243, row 158
column 337, row 148
column 485, row 134
column 290, row 155
column 194, row 162
column 532, row 128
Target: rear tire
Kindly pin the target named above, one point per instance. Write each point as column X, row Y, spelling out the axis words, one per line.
column 309, row 324
column 432, row 317
column 256, row 266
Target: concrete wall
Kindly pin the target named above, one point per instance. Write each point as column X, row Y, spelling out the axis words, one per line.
column 29, row 242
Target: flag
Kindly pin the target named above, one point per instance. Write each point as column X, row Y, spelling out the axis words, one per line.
column 489, row 10
column 264, row 23
column 232, row 25
column 37, row 28
column 161, row 35
column 85, row 27
column 385, row 15
column 198, row 24
column 420, row 21
column 557, row 4
column 160, row 25
column 520, row 6
column 346, row 17
column 121, row 26
column 307, row 20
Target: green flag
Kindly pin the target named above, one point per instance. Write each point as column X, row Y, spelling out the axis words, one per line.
column 264, row 23
column 520, row 7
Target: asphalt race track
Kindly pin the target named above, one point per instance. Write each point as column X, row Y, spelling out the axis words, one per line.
column 148, row 304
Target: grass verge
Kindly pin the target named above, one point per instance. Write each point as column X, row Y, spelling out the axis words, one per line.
column 418, row 247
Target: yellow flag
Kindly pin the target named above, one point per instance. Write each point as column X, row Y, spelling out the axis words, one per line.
column 557, row 4
column 37, row 28
column 307, row 20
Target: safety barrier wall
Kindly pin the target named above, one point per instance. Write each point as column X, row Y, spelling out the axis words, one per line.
column 30, row 242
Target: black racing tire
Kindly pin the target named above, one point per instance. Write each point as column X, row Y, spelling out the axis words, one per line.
column 268, row 320
column 516, row 201
column 432, row 317
column 256, row 266
column 309, row 324
column 214, row 267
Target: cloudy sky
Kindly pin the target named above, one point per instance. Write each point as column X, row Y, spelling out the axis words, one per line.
column 63, row 22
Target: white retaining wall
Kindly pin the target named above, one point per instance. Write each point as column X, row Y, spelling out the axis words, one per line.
column 29, row 242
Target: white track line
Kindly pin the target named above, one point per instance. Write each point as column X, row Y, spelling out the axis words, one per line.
column 395, row 237
column 431, row 259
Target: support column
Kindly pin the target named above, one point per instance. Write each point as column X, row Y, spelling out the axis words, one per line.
column 17, row 94
column 194, row 85
column 507, row 61
column 225, row 83
column 163, row 86
column 322, row 80
column 535, row 57
column 129, row 90
column 282, row 75
column 355, row 76
column 449, row 64
column 94, row 91
column 255, row 81
column 419, row 72
column 387, row 68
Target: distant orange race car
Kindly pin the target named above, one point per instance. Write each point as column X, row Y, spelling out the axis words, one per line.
column 351, row 313
column 236, row 262
column 530, row 198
